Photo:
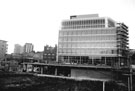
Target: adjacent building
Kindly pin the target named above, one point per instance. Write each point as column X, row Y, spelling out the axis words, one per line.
column 28, row 47
column 38, row 56
column 3, row 49
column 18, row 49
column 90, row 39
column 49, row 53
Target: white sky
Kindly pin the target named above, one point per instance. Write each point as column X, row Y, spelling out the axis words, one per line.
column 38, row 21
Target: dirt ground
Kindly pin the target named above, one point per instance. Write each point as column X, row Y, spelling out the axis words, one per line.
column 25, row 82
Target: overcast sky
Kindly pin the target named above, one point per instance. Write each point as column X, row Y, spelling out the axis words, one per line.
column 38, row 21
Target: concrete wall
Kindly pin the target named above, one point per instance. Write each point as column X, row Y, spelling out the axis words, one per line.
column 91, row 74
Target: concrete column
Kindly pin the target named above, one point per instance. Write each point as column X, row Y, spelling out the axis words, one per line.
column 103, row 85
column 92, row 61
column 26, row 67
column 41, row 70
column 32, row 68
column 56, row 71
column 129, row 84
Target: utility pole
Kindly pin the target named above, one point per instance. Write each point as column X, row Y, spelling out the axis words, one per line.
column 130, row 88
column 131, row 79
column 131, row 72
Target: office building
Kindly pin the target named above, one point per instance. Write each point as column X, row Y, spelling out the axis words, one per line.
column 28, row 47
column 18, row 49
column 90, row 39
column 3, row 49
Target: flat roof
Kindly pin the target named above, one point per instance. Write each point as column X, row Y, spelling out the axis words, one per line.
column 71, row 65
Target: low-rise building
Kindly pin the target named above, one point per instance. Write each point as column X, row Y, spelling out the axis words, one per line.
column 49, row 53
column 3, row 49
column 38, row 57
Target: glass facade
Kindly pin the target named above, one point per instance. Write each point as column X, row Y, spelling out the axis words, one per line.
column 89, row 41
